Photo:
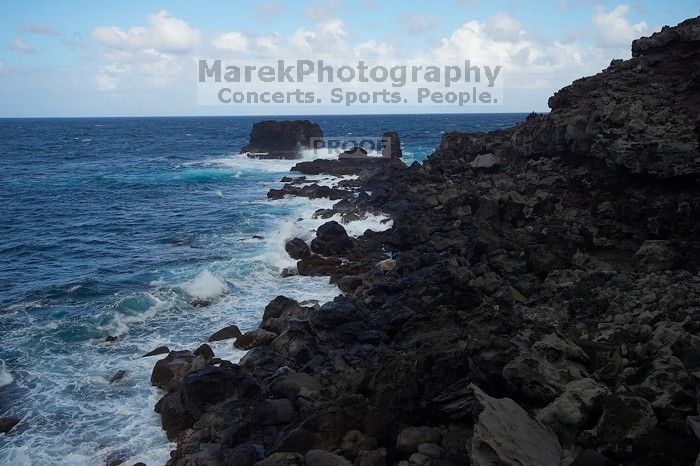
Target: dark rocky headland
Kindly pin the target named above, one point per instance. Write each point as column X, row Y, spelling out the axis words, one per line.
column 536, row 302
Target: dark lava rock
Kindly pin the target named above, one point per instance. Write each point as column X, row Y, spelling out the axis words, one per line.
column 331, row 239
column 247, row 454
column 513, row 288
column 117, row 376
column 117, row 457
column 204, row 351
column 315, row 265
column 201, row 388
column 257, row 337
column 393, row 149
column 212, row 384
column 281, row 139
column 297, row 248
column 7, row 423
column 354, row 153
column 226, row 333
column 199, row 302
column 280, row 306
column 273, row 412
column 157, row 351
column 325, row 458
column 168, row 372
column 351, row 166
column 312, row 191
column 283, row 459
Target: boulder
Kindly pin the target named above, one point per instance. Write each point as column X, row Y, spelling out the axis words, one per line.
column 297, row 248
column 325, row 458
column 331, row 239
column 316, row 265
column 257, row 337
column 204, row 351
column 226, row 333
column 355, row 441
column 377, row 457
column 354, row 153
column 273, row 412
column 541, row 373
column 486, row 161
column 213, row 384
column 410, row 438
column 574, row 410
column 157, row 351
column 335, row 313
column 386, row 265
column 7, row 423
column 281, row 139
column 418, row 459
column 505, row 434
column 169, row 372
column 296, row 385
column 432, row 450
column 282, row 459
column 243, row 455
column 657, row 255
column 624, row 419
column 280, row 306
column 117, row 376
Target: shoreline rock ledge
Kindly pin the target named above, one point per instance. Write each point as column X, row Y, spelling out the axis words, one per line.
column 540, row 307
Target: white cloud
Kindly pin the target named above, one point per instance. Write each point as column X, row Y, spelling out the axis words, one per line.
column 269, row 8
column 475, row 42
column 268, row 46
column 527, row 63
column 328, row 40
column 142, row 58
column 613, row 29
column 322, row 10
column 417, row 23
column 505, row 27
column 372, row 48
column 38, row 29
column 19, row 45
column 3, row 67
column 164, row 33
column 233, row 41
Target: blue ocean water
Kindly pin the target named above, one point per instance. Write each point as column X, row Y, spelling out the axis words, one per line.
column 116, row 227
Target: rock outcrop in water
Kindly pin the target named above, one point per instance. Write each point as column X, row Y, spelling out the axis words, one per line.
column 540, row 307
column 281, row 139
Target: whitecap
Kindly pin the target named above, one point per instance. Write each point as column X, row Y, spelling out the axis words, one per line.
column 205, row 285
column 5, row 376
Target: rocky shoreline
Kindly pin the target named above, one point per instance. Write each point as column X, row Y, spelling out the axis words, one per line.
column 536, row 302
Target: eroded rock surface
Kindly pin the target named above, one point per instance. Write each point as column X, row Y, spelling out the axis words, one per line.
column 541, row 305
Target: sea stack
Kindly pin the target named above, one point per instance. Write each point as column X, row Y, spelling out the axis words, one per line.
column 281, row 139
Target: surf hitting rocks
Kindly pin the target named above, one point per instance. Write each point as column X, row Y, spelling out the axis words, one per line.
column 539, row 306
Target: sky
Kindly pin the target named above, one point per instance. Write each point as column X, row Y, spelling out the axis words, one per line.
column 139, row 58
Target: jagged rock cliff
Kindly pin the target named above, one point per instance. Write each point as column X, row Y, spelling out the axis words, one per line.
column 541, row 304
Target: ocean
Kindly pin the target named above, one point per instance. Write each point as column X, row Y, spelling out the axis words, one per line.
column 117, row 227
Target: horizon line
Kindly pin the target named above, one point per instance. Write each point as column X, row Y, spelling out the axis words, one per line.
column 265, row 115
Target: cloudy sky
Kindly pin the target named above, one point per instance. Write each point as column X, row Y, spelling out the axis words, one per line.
column 138, row 58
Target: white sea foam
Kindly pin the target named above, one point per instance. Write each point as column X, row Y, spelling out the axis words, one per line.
column 5, row 376
column 241, row 162
column 374, row 222
column 205, row 285
column 69, row 395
